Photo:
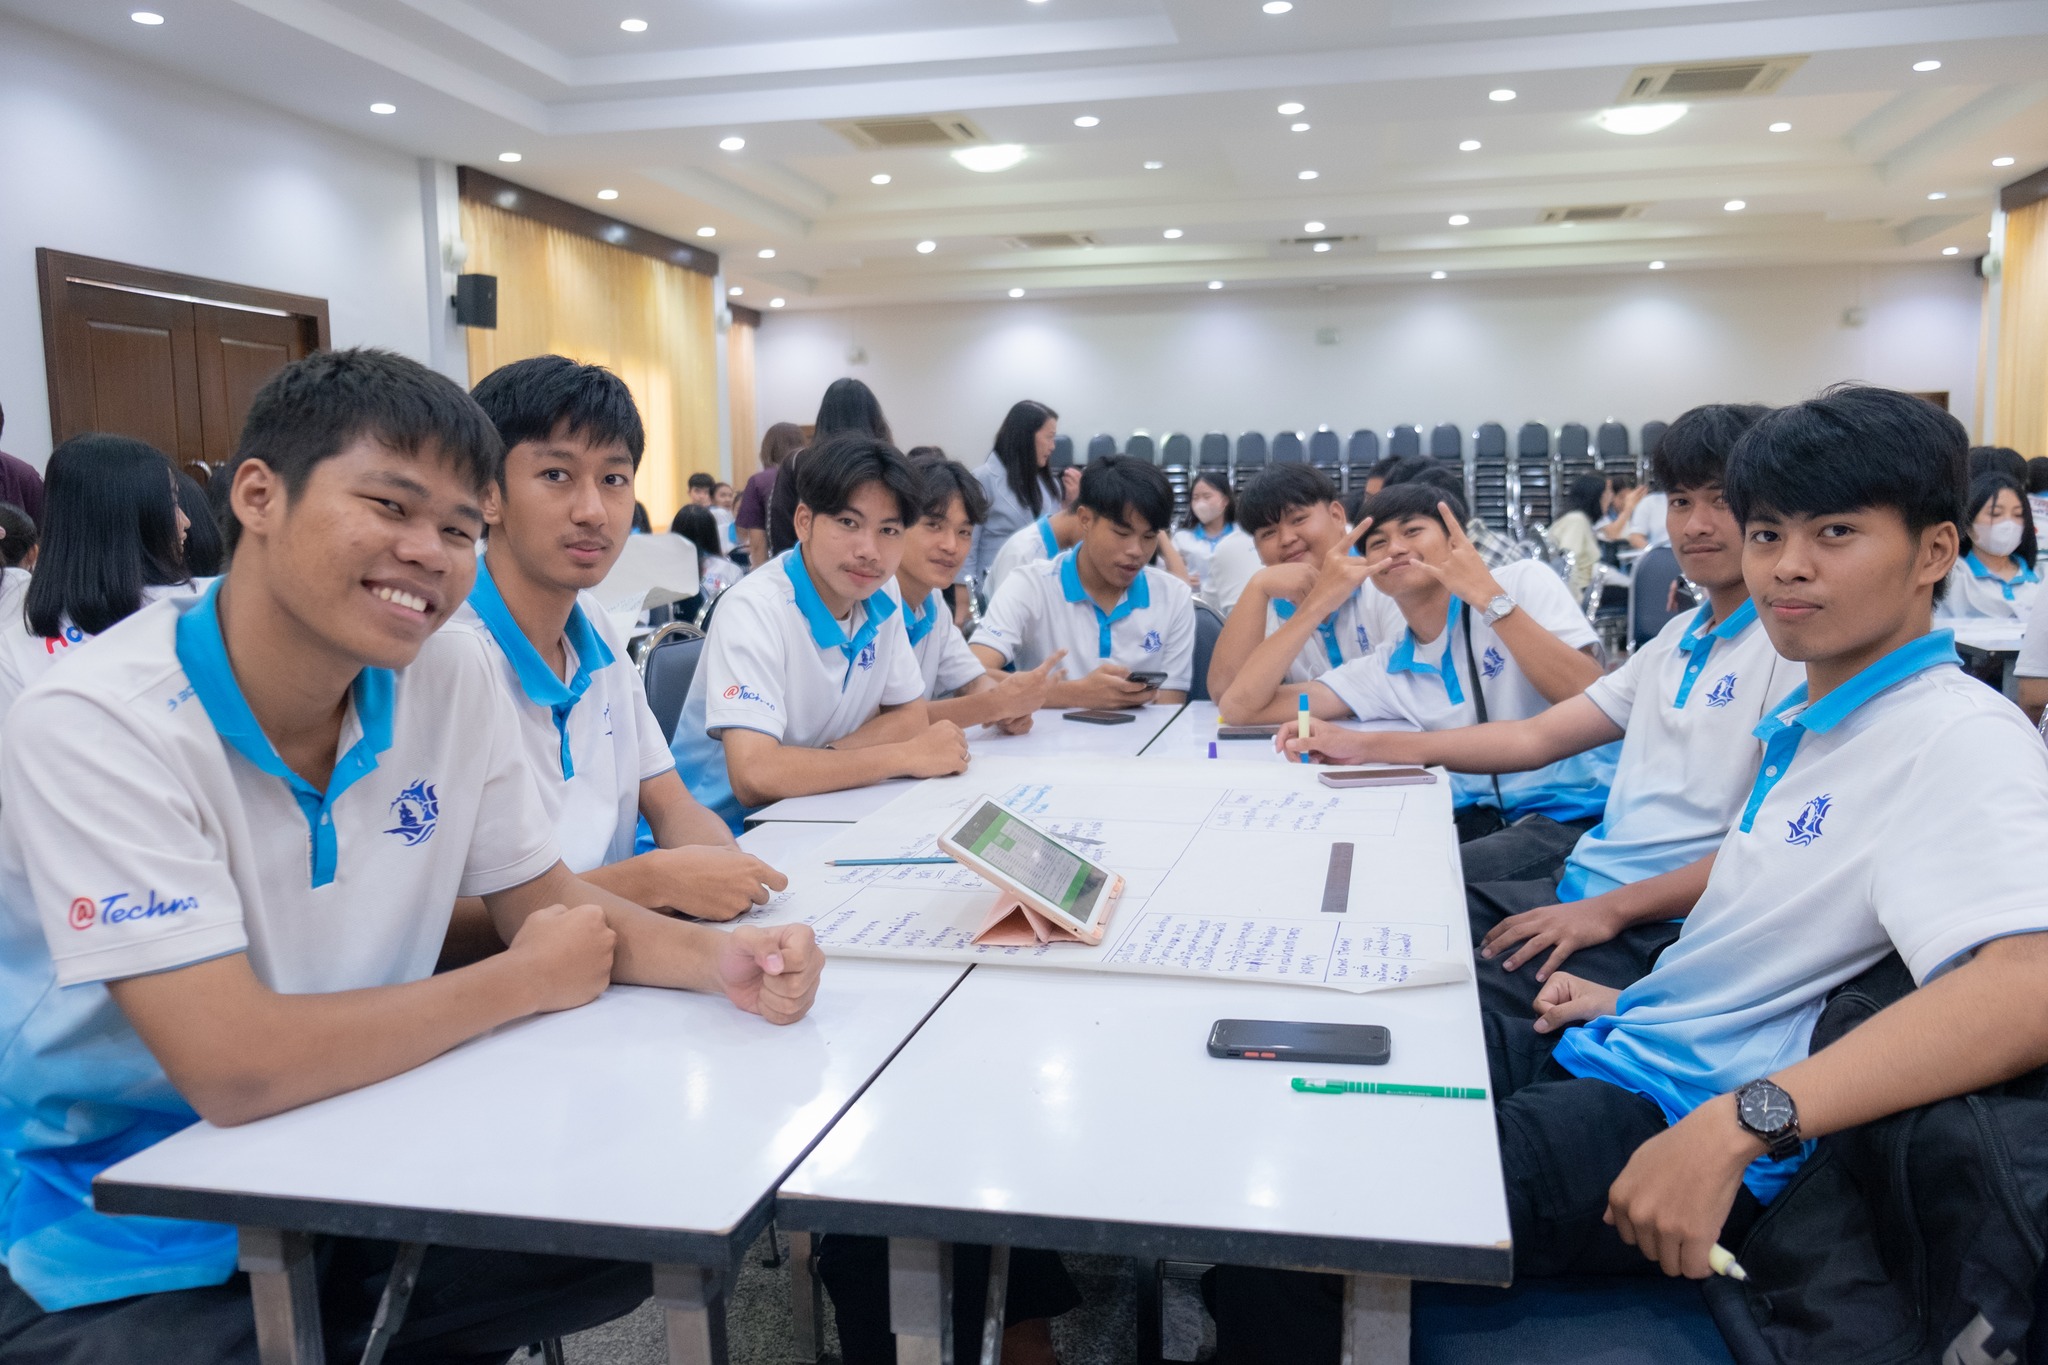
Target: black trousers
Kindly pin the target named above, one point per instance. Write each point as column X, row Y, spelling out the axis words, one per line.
column 856, row 1274
column 1620, row 962
column 469, row 1307
column 1490, row 850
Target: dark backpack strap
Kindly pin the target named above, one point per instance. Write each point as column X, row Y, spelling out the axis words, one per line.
column 1479, row 702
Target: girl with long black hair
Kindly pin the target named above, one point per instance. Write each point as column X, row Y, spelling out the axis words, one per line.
column 1018, row 479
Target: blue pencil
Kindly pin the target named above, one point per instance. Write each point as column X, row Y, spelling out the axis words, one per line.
column 883, row 862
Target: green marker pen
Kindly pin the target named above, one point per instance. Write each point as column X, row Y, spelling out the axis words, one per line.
column 1305, row 1086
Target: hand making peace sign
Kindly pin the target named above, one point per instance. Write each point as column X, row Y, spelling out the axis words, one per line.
column 1463, row 570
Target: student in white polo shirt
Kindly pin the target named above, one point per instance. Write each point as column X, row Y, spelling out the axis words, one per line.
column 1996, row 576
column 957, row 686
column 1041, row 540
column 113, row 539
column 1478, row 644
column 1103, row 602
column 1294, row 518
column 564, row 504
column 808, row 682
column 1681, row 1106
column 232, row 835
column 1683, row 707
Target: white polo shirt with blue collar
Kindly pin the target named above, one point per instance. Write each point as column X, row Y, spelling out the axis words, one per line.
column 776, row 661
column 1043, row 608
column 1029, row 545
column 1367, row 617
column 1973, row 590
column 1429, row 686
column 943, row 658
column 150, row 825
column 1857, row 838
column 590, row 737
column 1688, row 703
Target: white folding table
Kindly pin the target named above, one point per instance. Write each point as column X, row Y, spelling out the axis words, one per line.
column 648, row 1125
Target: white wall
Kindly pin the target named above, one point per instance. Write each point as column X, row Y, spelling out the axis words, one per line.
column 1558, row 349
column 106, row 158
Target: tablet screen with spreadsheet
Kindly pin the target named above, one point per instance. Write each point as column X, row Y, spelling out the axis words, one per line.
column 1014, row 853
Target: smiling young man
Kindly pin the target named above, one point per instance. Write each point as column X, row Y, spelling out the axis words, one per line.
column 808, row 681
column 1528, row 649
column 1688, row 1101
column 1683, row 707
column 1294, row 517
column 227, row 862
column 1102, row 603
column 558, row 522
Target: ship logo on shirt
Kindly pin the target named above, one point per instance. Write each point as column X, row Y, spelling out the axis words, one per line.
column 1152, row 643
column 1491, row 662
column 1806, row 828
column 607, row 720
column 417, row 810
column 1723, row 693
column 1364, row 641
column 866, row 658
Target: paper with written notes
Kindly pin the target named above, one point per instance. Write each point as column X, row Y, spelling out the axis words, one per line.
column 1224, row 874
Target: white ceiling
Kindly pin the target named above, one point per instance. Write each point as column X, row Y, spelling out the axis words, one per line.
column 1390, row 87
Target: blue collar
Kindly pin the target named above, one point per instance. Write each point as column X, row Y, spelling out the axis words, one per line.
column 920, row 626
column 1208, row 539
column 1137, row 597
column 827, row 633
column 1402, row 660
column 203, row 654
column 1979, row 569
column 536, row 679
column 1332, row 648
column 1047, row 538
column 1701, row 645
column 1781, row 732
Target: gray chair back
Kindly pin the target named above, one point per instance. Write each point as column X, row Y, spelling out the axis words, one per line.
column 1325, row 452
column 1610, row 444
column 1647, row 442
column 1215, row 450
column 1649, row 593
column 1208, row 625
column 1140, row 447
column 1288, row 448
column 666, row 667
column 1101, row 444
column 1404, row 442
column 1251, row 450
column 1178, row 452
column 1062, row 453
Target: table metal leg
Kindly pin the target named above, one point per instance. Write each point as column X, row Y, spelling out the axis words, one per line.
column 693, row 1313
column 1151, row 1350
column 994, row 1306
column 921, row 1301
column 806, row 1301
column 286, row 1295
column 1375, row 1320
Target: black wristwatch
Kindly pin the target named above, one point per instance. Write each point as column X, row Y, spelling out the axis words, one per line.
column 1764, row 1109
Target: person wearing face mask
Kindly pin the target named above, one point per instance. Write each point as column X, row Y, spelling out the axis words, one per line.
column 1211, row 520
column 1996, row 578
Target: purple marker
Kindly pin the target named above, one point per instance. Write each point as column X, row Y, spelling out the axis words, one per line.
column 1212, row 748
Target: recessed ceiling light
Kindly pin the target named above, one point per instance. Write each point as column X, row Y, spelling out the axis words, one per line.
column 1016, row 293
column 775, row 303
column 707, row 232
column 1171, row 233
column 1311, row 226
column 148, row 17
column 1277, row 6
column 1950, row 250
column 1656, row 265
column 1292, row 107
column 1470, row 144
column 1438, row 275
column 1634, row 120
column 607, row 194
column 1736, row 205
column 1927, row 66
column 1215, row 284
column 508, row 156
column 1781, row 127
column 380, row 107
column 735, row 292
column 1086, row 121
column 1938, row 194
column 1305, row 175
column 878, row 179
column 1500, row 96
column 2001, row 161
column 1459, row 220
column 1321, row 246
column 731, row 144
column 999, row 157
column 766, row 253
column 1297, row 128
column 1155, row 165
column 633, row 25
column 927, row 248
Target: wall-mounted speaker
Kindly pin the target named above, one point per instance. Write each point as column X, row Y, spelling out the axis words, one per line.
column 476, row 300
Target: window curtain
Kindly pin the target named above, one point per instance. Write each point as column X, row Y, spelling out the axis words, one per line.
column 649, row 322
column 2021, row 419
column 739, row 382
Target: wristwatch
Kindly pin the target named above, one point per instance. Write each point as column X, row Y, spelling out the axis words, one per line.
column 1502, row 605
column 1764, row 1109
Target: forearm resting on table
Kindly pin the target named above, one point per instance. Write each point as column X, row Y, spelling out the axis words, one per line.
column 676, row 818
column 762, row 769
column 652, row 949
column 1260, row 693
column 1242, row 631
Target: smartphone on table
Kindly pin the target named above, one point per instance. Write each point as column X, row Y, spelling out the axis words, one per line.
column 1375, row 777
column 1101, row 717
column 1273, row 1040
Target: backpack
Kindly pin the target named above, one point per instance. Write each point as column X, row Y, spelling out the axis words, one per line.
column 1918, row 1238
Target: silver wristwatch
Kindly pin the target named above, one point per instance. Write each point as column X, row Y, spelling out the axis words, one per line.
column 1499, row 608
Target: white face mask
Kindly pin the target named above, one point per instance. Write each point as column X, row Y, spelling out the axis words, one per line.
column 1206, row 510
column 1999, row 538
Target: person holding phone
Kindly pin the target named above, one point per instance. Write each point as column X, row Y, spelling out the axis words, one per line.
column 1103, row 602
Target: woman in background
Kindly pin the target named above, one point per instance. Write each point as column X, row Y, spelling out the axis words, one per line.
column 1211, row 520
column 778, row 443
column 715, row 572
column 1996, row 578
column 848, row 405
column 18, row 539
column 1018, row 480
column 1586, row 501
column 205, row 551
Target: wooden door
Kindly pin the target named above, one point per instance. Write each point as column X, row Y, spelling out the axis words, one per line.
column 238, row 349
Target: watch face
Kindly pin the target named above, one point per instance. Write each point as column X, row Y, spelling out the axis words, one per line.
column 1766, row 1109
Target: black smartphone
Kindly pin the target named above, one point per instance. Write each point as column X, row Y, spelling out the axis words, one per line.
column 1246, row 731
column 1375, row 777
column 1149, row 679
column 1272, row 1040
column 1102, row 717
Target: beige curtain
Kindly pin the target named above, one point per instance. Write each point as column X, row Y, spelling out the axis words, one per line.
column 2022, row 414
column 647, row 321
column 739, row 384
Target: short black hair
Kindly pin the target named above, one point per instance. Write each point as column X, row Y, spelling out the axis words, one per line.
column 1854, row 447
column 696, row 525
column 2037, row 474
column 1404, row 468
column 1583, row 494
column 1279, row 489
column 315, row 408
column 698, row 481
column 1398, row 502
column 1383, row 467
column 1447, row 481
column 1984, row 489
column 834, row 469
column 1693, row 451
column 529, row 398
column 206, row 553
column 17, row 535
column 641, row 521
column 1113, row 484
column 1999, row 460
column 945, row 480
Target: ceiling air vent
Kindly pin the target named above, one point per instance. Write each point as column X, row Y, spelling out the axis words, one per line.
column 1708, row 80
column 1051, row 241
column 1593, row 213
column 924, row 130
